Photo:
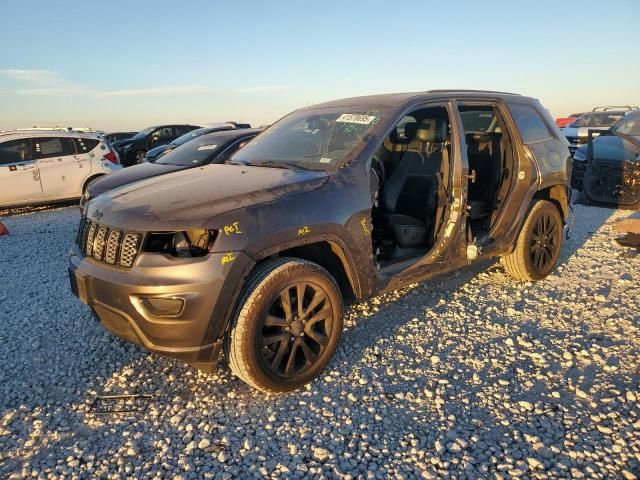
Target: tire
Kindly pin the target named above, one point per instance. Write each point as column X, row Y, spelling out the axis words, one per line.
column 264, row 344
column 535, row 254
column 138, row 158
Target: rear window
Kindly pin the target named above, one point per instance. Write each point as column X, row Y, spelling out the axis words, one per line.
column 529, row 122
column 84, row 145
column 598, row 119
column 477, row 120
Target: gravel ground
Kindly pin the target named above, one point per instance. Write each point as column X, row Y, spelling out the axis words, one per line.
column 471, row 376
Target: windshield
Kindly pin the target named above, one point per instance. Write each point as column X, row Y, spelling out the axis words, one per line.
column 142, row 133
column 311, row 139
column 599, row 119
column 193, row 154
column 191, row 135
column 630, row 125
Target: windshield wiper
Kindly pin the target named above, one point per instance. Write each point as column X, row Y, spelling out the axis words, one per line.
column 274, row 164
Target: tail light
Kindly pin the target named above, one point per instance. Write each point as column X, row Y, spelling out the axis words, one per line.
column 111, row 156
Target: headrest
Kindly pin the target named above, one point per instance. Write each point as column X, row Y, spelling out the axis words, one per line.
column 404, row 134
column 432, row 130
column 410, row 130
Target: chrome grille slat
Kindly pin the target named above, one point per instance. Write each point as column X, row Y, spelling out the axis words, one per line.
column 129, row 249
column 99, row 242
column 91, row 235
column 113, row 241
column 112, row 246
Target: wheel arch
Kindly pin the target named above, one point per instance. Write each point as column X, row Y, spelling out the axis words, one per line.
column 330, row 254
column 556, row 194
column 90, row 179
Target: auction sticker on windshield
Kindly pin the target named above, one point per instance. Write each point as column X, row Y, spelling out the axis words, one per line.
column 356, row 118
column 207, row 147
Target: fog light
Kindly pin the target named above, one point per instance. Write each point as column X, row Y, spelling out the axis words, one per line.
column 162, row 306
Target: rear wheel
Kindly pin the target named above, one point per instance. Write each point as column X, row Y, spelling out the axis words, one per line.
column 539, row 244
column 286, row 327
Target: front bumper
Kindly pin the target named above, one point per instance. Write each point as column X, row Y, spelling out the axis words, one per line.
column 118, row 296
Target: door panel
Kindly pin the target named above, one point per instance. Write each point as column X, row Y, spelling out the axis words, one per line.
column 62, row 170
column 19, row 178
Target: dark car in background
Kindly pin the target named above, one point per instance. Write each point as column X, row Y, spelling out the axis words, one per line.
column 133, row 150
column 155, row 153
column 113, row 137
column 598, row 120
column 215, row 147
column 607, row 168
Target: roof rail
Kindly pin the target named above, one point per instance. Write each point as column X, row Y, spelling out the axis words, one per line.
column 614, row 107
column 471, row 91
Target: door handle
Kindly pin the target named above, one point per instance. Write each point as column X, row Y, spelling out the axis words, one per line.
column 26, row 167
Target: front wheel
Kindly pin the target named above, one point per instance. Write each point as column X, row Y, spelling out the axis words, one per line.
column 286, row 327
column 539, row 244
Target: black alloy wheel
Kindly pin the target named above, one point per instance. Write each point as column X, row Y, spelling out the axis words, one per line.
column 545, row 242
column 296, row 329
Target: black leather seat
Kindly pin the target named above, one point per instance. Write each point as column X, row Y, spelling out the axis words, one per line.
column 410, row 194
column 484, row 155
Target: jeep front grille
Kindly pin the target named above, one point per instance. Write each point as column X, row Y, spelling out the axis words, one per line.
column 109, row 245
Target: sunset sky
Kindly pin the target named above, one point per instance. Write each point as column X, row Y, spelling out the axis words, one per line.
column 125, row 65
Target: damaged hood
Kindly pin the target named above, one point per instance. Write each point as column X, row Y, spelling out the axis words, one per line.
column 189, row 198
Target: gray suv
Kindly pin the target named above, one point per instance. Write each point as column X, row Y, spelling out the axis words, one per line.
column 332, row 204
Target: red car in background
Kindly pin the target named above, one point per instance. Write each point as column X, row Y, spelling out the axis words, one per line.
column 566, row 121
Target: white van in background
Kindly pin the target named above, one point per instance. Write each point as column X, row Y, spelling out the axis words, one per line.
column 38, row 166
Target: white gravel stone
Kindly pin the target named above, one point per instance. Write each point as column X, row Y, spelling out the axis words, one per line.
column 501, row 400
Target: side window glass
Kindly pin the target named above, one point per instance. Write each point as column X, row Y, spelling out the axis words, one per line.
column 85, row 145
column 47, row 148
column 68, row 147
column 14, row 151
column 532, row 127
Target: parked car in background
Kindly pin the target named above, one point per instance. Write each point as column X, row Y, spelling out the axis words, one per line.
column 213, row 147
column 153, row 154
column 332, row 204
column 599, row 119
column 133, row 150
column 566, row 121
column 116, row 136
column 607, row 169
column 47, row 166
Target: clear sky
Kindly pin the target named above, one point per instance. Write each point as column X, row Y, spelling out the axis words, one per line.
column 129, row 64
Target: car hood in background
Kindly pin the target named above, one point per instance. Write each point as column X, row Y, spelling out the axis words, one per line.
column 130, row 175
column 190, row 198
column 154, row 152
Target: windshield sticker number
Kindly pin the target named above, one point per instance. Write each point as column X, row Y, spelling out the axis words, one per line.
column 326, row 160
column 207, row 147
column 356, row 118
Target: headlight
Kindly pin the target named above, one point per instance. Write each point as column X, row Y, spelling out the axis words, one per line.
column 185, row 244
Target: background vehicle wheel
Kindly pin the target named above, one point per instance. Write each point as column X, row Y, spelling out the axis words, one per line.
column 139, row 157
column 286, row 326
column 539, row 244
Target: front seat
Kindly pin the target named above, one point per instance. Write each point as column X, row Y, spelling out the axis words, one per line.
column 410, row 194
